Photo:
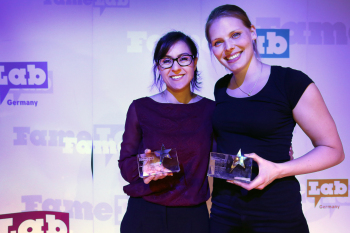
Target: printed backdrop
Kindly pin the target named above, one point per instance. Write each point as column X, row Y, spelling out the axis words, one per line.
column 69, row 69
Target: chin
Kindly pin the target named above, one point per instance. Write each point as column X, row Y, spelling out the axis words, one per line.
column 236, row 67
column 178, row 88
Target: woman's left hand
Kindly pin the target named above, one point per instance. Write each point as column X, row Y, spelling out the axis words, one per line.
column 268, row 172
column 291, row 152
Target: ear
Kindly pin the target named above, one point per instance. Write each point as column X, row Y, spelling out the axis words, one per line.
column 253, row 32
column 195, row 62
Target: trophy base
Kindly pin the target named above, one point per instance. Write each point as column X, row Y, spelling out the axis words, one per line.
column 230, row 167
column 158, row 162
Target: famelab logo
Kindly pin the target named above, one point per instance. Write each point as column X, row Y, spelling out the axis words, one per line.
column 22, row 75
column 105, row 139
column 102, row 4
column 85, row 210
column 274, row 38
column 327, row 188
column 273, row 43
column 312, row 33
column 36, row 222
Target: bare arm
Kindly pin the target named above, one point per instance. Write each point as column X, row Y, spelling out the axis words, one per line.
column 313, row 117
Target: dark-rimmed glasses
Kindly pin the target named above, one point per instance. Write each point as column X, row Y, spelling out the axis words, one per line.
column 183, row 60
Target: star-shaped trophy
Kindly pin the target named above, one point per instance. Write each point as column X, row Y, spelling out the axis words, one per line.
column 238, row 160
column 225, row 166
column 163, row 153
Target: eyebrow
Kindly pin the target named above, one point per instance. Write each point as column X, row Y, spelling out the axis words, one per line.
column 179, row 55
column 229, row 34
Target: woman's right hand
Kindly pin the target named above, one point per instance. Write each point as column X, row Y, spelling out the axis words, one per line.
column 148, row 179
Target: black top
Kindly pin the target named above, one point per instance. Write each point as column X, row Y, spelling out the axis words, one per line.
column 261, row 124
column 186, row 127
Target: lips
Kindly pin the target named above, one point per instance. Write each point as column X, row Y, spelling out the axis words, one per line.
column 176, row 77
column 233, row 57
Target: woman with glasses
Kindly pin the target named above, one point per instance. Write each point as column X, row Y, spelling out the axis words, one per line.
column 177, row 118
column 257, row 107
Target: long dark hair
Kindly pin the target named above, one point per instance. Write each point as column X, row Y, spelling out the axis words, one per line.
column 162, row 48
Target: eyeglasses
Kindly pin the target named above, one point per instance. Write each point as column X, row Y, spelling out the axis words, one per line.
column 183, row 60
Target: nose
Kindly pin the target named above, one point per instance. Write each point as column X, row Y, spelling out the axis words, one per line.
column 229, row 46
column 176, row 68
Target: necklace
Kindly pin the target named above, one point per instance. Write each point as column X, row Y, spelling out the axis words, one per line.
column 254, row 83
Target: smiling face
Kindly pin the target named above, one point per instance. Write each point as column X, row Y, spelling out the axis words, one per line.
column 231, row 43
column 177, row 78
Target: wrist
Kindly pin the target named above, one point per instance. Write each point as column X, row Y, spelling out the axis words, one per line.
column 281, row 169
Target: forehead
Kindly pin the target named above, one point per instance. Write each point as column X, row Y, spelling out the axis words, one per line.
column 178, row 48
column 225, row 25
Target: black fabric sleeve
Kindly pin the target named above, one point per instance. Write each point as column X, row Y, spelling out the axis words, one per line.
column 296, row 83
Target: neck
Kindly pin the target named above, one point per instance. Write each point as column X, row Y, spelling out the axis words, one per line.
column 249, row 73
column 183, row 97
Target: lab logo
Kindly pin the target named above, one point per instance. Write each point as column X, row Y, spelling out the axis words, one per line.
column 273, row 43
column 327, row 188
column 35, row 222
column 22, row 75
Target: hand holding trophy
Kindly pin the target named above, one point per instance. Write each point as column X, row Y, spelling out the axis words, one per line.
column 158, row 164
column 230, row 167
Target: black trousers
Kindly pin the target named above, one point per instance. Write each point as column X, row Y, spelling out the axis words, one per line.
column 275, row 209
column 142, row 217
column 253, row 224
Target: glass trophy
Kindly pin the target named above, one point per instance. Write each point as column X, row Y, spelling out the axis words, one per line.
column 160, row 161
column 230, row 167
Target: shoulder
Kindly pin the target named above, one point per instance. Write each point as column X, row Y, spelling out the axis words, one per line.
column 204, row 107
column 289, row 75
column 141, row 101
column 207, row 101
column 292, row 82
column 296, row 74
column 157, row 97
column 223, row 82
column 221, row 86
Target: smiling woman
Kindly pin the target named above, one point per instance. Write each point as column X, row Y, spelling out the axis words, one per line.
column 178, row 47
column 178, row 75
column 232, row 43
column 257, row 108
column 179, row 119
